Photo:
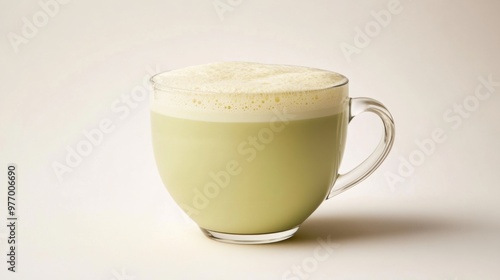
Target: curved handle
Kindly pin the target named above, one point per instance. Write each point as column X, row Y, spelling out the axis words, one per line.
column 360, row 172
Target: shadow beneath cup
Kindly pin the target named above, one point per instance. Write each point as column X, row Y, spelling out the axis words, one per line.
column 356, row 228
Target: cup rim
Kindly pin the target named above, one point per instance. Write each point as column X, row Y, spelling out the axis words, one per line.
column 157, row 85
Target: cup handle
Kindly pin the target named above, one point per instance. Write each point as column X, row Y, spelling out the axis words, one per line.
column 363, row 170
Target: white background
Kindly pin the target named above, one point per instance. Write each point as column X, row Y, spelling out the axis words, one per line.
column 110, row 217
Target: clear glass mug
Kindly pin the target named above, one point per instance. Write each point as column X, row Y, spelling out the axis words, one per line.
column 250, row 165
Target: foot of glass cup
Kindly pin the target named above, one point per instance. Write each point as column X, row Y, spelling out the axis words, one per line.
column 250, row 238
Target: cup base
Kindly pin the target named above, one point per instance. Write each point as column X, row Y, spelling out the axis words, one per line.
column 250, row 238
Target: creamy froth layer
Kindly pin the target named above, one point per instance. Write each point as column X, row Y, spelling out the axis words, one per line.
column 248, row 92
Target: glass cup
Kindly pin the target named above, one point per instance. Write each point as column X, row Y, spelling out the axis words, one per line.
column 251, row 166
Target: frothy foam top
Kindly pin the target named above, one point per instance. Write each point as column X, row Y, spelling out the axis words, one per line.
column 245, row 91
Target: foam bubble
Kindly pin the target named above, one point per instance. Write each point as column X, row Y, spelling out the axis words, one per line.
column 244, row 91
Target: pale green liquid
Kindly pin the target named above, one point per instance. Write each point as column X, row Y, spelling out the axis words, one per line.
column 273, row 185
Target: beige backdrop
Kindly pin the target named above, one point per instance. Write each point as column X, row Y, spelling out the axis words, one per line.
column 97, row 209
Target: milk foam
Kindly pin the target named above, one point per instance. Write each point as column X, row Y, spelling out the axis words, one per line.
column 248, row 92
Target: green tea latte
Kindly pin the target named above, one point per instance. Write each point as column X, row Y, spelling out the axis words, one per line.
column 247, row 148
